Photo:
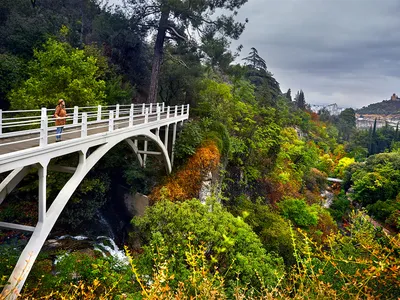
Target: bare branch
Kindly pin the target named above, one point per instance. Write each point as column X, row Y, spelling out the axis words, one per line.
column 176, row 33
column 181, row 62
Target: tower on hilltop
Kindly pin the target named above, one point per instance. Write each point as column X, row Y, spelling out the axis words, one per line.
column 394, row 97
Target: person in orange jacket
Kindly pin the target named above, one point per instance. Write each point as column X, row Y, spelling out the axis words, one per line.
column 60, row 116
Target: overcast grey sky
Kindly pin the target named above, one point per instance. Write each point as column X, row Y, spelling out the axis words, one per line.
column 343, row 51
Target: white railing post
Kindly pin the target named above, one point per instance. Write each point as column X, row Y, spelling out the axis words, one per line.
column 168, row 110
column 187, row 109
column 158, row 113
column 117, row 112
column 176, row 111
column 1, row 121
column 111, row 121
column 163, row 107
column 131, row 116
column 75, row 118
column 43, row 127
column 146, row 116
column 143, row 108
column 99, row 113
column 183, row 109
column 151, row 108
column 84, row 125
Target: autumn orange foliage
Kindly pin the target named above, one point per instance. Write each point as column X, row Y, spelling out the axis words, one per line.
column 186, row 182
column 277, row 190
column 314, row 116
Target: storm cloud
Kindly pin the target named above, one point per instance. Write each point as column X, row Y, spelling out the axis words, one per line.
column 338, row 51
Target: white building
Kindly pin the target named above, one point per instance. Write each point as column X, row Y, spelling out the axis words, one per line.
column 333, row 109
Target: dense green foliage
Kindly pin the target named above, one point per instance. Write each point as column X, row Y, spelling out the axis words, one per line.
column 376, row 186
column 232, row 247
column 271, row 228
column 60, row 72
column 298, row 212
column 373, row 141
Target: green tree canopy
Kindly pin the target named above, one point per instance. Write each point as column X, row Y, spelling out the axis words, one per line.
column 346, row 123
column 232, row 246
column 60, row 71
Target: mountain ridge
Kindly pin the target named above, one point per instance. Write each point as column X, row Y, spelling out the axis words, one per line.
column 385, row 107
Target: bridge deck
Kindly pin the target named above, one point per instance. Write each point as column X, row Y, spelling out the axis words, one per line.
column 31, row 140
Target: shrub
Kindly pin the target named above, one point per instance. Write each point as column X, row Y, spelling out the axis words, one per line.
column 340, row 207
column 384, row 210
column 271, row 228
column 299, row 212
column 233, row 249
column 188, row 140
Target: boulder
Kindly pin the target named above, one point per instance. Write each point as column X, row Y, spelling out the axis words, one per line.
column 136, row 204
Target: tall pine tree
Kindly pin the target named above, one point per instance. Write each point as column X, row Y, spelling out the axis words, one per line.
column 255, row 61
column 288, row 95
column 300, row 100
column 174, row 20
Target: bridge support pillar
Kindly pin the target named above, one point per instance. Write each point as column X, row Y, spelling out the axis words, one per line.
column 173, row 142
column 42, row 192
column 144, row 154
column 166, row 136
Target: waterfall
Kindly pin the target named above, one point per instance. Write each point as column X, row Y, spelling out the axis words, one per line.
column 78, row 237
column 112, row 250
column 104, row 244
column 107, row 226
column 101, row 239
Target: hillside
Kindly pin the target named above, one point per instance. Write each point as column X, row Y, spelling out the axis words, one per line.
column 385, row 107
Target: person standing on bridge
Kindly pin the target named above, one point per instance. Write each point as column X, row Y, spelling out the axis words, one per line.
column 60, row 115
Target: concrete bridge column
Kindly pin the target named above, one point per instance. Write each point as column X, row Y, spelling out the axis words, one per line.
column 173, row 141
column 166, row 136
column 42, row 172
column 145, row 153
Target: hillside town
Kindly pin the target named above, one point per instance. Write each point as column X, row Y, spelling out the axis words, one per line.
column 385, row 113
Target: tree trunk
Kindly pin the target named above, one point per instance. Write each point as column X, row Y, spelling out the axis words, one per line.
column 158, row 56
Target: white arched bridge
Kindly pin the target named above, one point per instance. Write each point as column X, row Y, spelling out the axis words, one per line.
column 28, row 141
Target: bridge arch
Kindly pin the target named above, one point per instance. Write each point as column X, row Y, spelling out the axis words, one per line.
column 164, row 151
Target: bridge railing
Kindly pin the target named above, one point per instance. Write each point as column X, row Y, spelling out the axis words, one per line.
column 37, row 127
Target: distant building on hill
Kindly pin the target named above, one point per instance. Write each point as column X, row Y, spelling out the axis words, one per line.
column 394, row 97
column 333, row 109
